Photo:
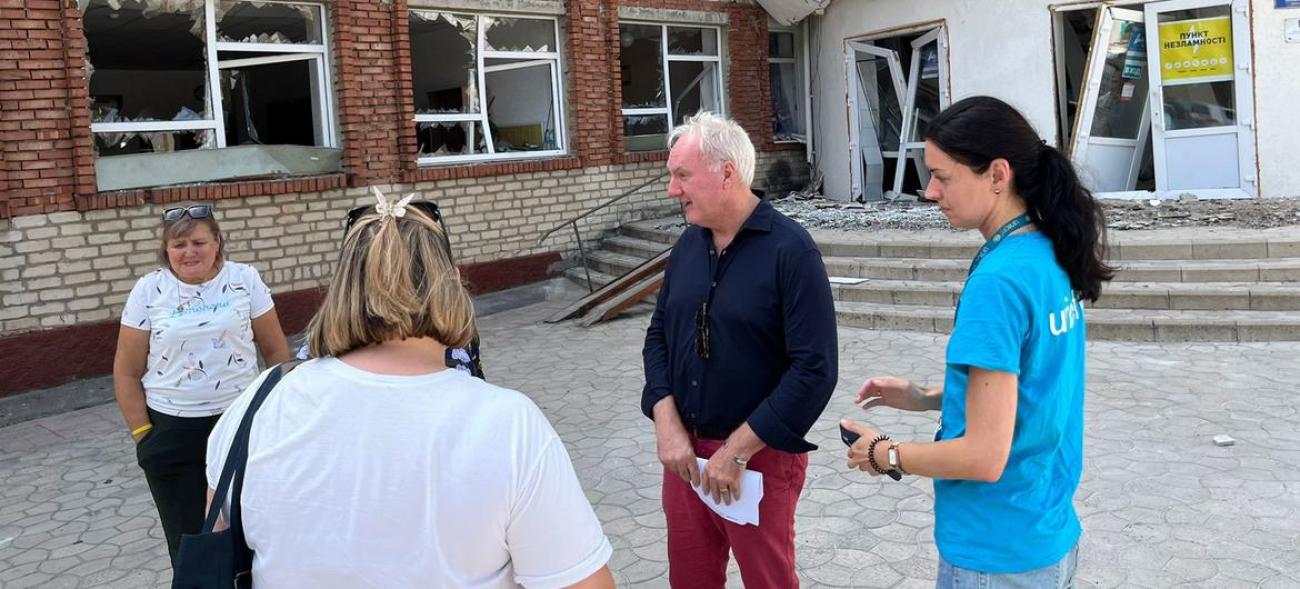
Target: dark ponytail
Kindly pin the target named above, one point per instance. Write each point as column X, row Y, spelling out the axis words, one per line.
column 977, row 130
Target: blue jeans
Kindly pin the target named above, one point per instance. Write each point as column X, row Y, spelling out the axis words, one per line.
column 1053, row 576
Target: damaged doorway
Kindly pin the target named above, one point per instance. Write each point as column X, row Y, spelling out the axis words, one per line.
column 895, row 85
column 1155, row 98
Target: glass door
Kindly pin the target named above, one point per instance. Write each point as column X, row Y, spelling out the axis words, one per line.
column 1111, row 134
column 876, row 120
column 1201, row 104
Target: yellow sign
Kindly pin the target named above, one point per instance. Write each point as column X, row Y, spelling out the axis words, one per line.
column 1191, row 50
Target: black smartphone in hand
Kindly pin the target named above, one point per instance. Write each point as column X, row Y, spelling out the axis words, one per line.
column 849, row 437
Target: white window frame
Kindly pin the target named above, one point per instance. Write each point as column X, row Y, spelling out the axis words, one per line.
column 668, row 58
column 479, row 120
column 800, row 60
column 316, row 53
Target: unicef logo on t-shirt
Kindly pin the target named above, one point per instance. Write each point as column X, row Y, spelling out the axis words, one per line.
column 1064, row 320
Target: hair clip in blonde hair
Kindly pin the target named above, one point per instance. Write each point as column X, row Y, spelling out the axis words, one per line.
column 386, row 208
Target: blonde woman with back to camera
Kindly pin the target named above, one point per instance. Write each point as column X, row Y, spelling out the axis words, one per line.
column 374, row 465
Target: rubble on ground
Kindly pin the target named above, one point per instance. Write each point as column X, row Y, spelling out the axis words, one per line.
column 817, row 212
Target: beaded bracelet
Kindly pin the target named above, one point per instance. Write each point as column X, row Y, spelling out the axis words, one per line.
column 871, row 453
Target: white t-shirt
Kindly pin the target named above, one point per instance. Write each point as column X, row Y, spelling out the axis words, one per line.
column 201, row 351
column 358, row 479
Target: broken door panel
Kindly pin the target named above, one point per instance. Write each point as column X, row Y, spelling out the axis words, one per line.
column 1114, row 119
column 875, row 114
column 929, row 70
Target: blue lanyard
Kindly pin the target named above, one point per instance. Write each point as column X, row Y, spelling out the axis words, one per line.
column 1011, row 227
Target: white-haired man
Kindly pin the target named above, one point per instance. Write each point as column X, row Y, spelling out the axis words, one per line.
column 740, row 360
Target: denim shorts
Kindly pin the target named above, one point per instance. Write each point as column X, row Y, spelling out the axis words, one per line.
column 1053, row 576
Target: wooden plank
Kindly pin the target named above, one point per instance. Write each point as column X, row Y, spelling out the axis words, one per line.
column 624, row 300
column 650, row 267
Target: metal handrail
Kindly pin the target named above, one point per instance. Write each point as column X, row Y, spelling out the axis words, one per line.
column 597, row 208
column 582, row 250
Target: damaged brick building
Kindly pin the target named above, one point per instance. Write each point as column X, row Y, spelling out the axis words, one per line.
column 513, row 115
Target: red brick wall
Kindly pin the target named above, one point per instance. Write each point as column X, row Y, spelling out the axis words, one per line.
column 47, row 153
column 368, row 82
column 38, row 81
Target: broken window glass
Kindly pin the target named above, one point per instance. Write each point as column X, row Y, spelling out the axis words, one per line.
column 443, row 58
column 780, row 45
column 270, row 104
column 250, row 21
column 148, row 64
column 518, row 34
column 521, row 107
column 695, row 88
column 692, row 41
column 641, row 64
column 1121, row 98
column 645, row 132
column 109, row 144
column 787, row 106
column 449, row 138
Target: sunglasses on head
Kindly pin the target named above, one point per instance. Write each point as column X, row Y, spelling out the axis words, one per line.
column 429, row 208
column 175, row 214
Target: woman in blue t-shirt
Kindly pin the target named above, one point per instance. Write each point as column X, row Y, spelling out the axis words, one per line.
column 1008, row 454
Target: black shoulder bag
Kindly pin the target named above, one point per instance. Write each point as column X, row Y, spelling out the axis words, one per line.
column 211, row 560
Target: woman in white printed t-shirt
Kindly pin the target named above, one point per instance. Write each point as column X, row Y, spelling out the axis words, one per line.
column 184, row 352
column 376, row 465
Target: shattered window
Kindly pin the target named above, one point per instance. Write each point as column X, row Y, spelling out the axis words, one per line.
column 497, row 100
column 250, row 21
column 270, row 104
column 159, row 84
column 692, row 41
column 445, row 73
column 641, row 65
column 518, row 34
column 126, row 143
column 652, row 102
column 147, row 61
column 785, row 77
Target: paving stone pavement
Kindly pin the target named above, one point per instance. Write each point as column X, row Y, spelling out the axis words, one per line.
column 1162, row 506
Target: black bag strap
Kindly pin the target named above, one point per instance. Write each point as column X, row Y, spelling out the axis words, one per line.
column 237, row 457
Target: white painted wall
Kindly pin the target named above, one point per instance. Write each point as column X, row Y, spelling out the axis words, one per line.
column 1004, row 49
column 1277, row 96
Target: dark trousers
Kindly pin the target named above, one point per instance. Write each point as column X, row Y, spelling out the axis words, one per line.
column 173, row 456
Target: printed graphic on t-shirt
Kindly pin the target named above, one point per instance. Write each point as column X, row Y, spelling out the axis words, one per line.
column 201, row 350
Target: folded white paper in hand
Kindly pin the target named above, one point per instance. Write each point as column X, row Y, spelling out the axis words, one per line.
column 744, row 510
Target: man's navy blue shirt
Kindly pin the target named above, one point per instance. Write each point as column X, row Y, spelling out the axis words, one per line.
column 772, row 343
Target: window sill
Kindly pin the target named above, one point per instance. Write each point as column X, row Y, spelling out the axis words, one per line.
column 152, row 170
column 480, row 168
column 211, row 191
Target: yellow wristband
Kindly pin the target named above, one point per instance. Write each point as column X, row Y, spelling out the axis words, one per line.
column 144, row 428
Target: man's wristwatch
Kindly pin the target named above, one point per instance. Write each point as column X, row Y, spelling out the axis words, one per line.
column 740, row 460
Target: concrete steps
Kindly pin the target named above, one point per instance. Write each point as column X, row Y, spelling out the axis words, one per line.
column 1268, row 270
column 1224, row 287
column 1103, row 324
column 1119, row 295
